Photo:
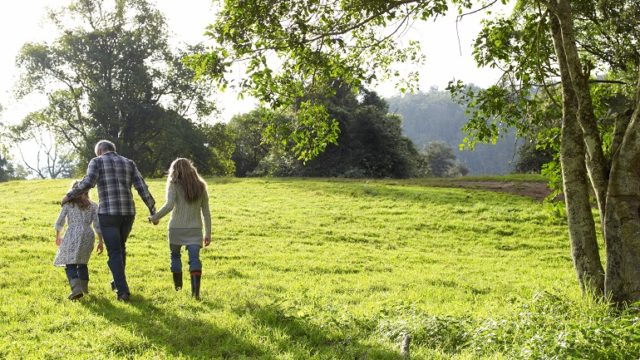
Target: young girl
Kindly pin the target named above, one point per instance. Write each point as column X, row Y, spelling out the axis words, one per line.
column 187, row 197
column 74, row 250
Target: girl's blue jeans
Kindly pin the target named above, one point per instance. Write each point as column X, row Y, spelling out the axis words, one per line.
column 77, row 271
column 194, row 258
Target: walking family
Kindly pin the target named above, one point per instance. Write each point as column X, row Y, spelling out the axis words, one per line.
column 112, row 220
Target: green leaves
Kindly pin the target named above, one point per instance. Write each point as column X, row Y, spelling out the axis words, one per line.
column 295, row 51
column 307, row 134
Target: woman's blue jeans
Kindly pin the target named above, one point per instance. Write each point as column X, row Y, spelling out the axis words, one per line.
column 194, row 258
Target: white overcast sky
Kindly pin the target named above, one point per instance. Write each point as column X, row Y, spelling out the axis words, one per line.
column 23, row 21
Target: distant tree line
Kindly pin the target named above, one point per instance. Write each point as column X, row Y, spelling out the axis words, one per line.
column 433, row 116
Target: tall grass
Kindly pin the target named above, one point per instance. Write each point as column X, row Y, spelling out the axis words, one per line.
column 318, row 269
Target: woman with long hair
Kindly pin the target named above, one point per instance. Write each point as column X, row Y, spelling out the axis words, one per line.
column 188, row 202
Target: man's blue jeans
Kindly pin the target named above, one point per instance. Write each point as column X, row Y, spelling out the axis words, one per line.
column 194, row 258
column 77, row 271
column 115, row 231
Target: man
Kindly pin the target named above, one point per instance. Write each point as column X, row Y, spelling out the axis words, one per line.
column 114, row 175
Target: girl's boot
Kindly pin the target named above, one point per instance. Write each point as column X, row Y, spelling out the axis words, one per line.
column 177, row 280
column 76, row 289
column 195, row 284
column 84, row 286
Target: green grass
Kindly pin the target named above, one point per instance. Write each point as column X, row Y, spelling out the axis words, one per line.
column 314, row 269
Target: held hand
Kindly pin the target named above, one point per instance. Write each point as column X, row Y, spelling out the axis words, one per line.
column 100, row 248
column 207, row 241
column 156, row 222
column 58, row 241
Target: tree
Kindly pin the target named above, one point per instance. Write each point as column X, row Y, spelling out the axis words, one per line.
column 370, row 143
column 319, row 42
column 112, row 75
column 221, row 145
column 52, row 159
column 616, row 189
column 172, row 135
column 8, row 170
column 441, row 161
column 250, row 149
column 597, row 125
column 532, row 158
column 307, row 37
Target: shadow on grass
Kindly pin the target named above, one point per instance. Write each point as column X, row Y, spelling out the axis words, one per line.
column 301, row 339
column 188, row 336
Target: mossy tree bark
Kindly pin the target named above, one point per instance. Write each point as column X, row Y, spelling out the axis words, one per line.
column 579, row 79
column 582, row 232
column 622, row 216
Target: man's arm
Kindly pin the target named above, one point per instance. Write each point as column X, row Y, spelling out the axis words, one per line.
column 89, row 181
column 143, row 190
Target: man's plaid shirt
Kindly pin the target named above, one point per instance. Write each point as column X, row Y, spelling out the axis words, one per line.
column 114, row 175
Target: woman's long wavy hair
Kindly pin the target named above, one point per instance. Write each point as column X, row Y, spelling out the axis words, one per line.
column 183, row 173
column 82, row 201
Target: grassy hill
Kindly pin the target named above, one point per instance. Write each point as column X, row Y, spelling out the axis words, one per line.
column 314, row 269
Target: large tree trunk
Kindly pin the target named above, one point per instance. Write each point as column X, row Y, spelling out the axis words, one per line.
column 619, row 197
column 596, row 163
column 582, row 232
column 622, row 218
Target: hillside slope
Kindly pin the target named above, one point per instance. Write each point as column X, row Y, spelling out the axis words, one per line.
column 311, row 269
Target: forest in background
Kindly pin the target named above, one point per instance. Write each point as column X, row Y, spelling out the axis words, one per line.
column 434, row 116
column 414, row 135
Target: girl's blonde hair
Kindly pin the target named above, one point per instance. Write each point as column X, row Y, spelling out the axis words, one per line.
column 183, row 172
column 82, row 200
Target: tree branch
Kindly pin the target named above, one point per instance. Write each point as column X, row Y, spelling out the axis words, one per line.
column 459, row 17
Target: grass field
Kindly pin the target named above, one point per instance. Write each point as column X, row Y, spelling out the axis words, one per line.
column 319, row 269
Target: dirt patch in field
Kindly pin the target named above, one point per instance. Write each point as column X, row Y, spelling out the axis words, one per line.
column 535, row 190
